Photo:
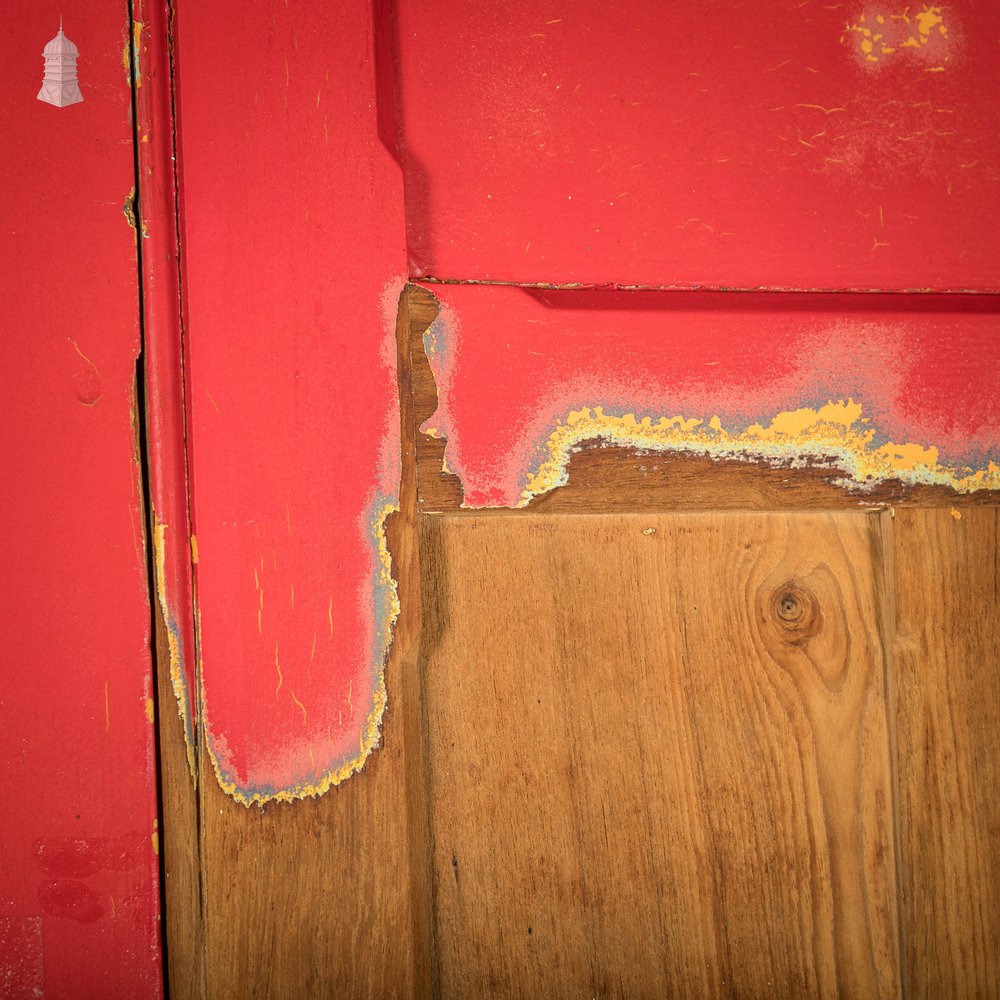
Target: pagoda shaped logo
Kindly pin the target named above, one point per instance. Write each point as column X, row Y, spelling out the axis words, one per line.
column 59, row 85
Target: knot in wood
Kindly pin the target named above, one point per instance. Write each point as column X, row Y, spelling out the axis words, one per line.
column 796, row 611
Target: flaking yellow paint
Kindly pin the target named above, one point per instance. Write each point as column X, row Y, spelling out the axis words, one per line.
column 905, row 33
column 836, row 431
column 176, row 668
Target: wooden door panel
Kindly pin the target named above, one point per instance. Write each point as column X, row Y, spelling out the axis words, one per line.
column 947, row 664
column 640, row 754
column 659, row 755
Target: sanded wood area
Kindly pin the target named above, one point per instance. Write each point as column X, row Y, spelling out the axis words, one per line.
column 947, row 655
column 625, row 479
column 659, row 756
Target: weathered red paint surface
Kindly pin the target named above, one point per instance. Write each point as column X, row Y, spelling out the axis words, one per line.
column 512, row 364
column 78, row 873
column 293, row 261
column 787, row 145
column 811, row 146
column 162, row 341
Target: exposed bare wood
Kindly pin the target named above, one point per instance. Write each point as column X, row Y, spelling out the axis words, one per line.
column 622, row 479
column 182, row 916
column 436, row 489
column 658, row 755
column 947, row 656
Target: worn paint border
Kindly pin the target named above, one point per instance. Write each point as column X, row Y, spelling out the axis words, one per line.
column 836, row 432
column 386, row 611
column 172, row 631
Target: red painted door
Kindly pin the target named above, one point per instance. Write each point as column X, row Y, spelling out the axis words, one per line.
column 79, row 897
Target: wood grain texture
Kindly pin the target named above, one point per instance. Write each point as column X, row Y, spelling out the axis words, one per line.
column 179, row 841
column 167, row 488
column 658, row 755
column 437, row 490
column 625, row 479
column 947, row 656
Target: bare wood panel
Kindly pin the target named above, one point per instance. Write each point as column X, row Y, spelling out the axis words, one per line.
column 330, row 897
column 658, row 755
column 947, row 660
column 313, row 899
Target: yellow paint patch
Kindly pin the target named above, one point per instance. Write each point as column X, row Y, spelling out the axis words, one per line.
column 955, row 513
column 925, row 30
column 929, row 19
column 194, row 550
column 370, row 731
column 128, row 210
column 150, row 711
column 835, row 432
column 155, row 837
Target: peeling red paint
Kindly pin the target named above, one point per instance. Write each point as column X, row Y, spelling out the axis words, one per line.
column 293, row 263
column 513, row 364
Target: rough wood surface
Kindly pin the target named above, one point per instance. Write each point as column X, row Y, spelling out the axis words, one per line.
column 179, row 841
column 947, row 655
column 437, row 490
column 659, row 755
